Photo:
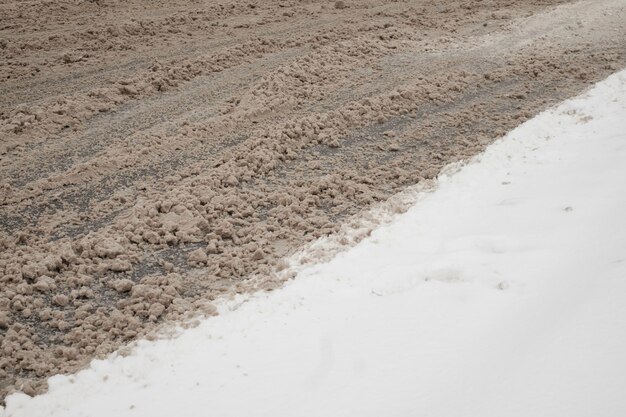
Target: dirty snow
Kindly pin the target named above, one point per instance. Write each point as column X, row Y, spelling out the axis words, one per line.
column 499, row 294
column 155, row 154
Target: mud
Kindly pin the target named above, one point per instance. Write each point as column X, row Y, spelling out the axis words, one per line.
column 155, row 156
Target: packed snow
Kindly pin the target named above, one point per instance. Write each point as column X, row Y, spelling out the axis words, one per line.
column 501, row 293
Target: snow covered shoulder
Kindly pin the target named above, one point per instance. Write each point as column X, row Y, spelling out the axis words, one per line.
column 502, row 293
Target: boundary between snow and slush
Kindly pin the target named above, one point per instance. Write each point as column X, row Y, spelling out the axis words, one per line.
column 501, row 293
column 363, row 224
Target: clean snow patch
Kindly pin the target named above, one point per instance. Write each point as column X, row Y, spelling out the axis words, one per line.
column 502, row 293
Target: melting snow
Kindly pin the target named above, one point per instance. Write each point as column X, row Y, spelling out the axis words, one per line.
column 501, row 293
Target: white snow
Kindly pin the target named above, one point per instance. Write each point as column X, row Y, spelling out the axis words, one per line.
column 502, row 293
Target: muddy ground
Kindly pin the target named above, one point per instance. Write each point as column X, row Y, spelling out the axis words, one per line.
column 156, row 154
